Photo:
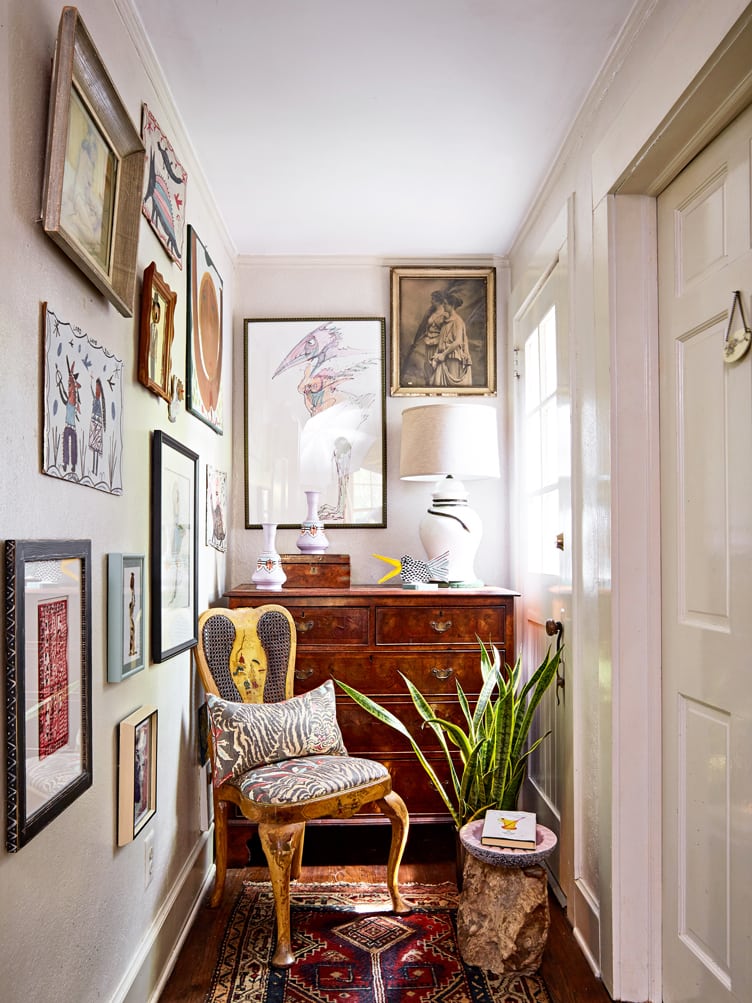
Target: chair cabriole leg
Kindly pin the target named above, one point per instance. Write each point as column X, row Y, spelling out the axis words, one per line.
column 280, row 844
column 395, row 809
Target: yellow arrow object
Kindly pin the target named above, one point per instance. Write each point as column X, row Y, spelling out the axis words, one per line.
column 396, row 567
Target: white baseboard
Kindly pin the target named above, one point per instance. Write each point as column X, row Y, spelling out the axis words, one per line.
column 153, row 962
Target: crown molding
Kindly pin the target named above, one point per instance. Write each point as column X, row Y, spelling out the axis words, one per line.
column 169, row 116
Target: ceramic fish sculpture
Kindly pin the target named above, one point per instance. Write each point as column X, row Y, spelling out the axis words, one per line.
column 414, row 572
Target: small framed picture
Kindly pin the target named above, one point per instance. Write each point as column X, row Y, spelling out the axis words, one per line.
column 95, row 167
column 48, row 681
column 174, row 547
column 443, row 331
column 125, row 616
column 137, row 772
column 156, row 334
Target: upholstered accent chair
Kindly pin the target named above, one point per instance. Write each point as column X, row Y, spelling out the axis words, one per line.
column 280, row 758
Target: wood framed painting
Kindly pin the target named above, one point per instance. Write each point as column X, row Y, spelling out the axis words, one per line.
column 137, row 772
column 156, row 333
column 314, row 420
column 94, row 167
column 125, row 616
column 83, row 408
column 204, row 349
column 174, row 547
column 165, row 183
column 48, row 681
column 443, row 331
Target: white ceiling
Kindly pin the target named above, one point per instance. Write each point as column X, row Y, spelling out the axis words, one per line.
column 400, row 128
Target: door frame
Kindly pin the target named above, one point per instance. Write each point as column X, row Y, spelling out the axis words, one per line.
column 625, row 286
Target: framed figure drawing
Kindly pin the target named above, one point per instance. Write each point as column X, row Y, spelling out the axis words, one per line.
column 156, row 333
column 443, row 331
column 83, row 408
column 174, row 547
column 95, row 167
column 125, row 616
column 48, row 683
column 137, row 772
column 204, row 349
column 314, row 420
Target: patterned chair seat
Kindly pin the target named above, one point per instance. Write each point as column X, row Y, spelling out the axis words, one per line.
column 294, row 781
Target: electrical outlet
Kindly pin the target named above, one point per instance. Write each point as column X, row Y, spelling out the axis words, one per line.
column 148, row 859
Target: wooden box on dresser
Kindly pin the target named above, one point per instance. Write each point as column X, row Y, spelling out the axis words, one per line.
column 368, row 635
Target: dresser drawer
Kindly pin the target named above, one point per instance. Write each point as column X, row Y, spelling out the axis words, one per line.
column 330, row 625
column 379, row 674
column 364, row 735
column 439, row 624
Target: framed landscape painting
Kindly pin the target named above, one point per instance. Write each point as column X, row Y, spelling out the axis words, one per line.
column 443, row 331
column 94, row 167
column 48, row 682
column 314, row 420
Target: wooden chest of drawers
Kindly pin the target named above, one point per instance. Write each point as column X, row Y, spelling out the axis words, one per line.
column 366, row 636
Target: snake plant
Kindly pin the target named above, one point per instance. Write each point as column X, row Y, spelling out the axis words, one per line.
column 489, row 767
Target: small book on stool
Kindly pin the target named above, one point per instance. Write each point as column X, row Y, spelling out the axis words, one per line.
column 513, row 829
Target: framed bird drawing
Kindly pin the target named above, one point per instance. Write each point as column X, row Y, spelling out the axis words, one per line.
column 314, row 398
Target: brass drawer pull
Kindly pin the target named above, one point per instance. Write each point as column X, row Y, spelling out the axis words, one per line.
column 441, row 625
column 302, row 674
column 303, row 626
column 442, row 673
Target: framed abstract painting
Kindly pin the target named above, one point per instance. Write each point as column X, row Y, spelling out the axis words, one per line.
column 204, row 349
column 314, row 420
column 48, row 683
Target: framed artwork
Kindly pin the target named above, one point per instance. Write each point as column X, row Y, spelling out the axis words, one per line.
column 204, row 349
column 137, row 772
column 165, row 182
column 174, row 547
column 48, row 681
column 83, row 408
column 314, row 420
column 443, row 331
column 156, row 334
column 216, row 508
column 125, row 616
column 94, row 168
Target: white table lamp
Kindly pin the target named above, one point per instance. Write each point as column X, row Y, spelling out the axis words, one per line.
column 450, row 443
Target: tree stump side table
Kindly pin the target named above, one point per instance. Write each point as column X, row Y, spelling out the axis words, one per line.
column 503, row 916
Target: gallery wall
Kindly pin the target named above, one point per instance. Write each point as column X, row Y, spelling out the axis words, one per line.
column 77, row 921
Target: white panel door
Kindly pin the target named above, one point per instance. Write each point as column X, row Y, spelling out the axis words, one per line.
column 542, row 420
column 706, row 527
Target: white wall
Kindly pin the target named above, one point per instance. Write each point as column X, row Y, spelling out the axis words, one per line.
column 321, row 287
column 77, row 924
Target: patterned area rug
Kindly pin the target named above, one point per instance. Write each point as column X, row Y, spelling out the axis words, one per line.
column 350, row 948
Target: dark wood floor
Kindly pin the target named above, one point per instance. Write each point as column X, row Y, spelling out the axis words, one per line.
column 347, row 853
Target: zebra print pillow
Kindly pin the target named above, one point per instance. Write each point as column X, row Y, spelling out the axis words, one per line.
column 247, row 735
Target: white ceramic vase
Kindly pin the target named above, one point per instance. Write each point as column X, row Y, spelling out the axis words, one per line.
column 312, row 539
column 269, row 573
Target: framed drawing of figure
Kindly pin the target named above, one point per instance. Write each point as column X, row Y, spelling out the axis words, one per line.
column 443, row 331
column 156, row 333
